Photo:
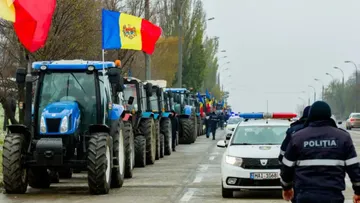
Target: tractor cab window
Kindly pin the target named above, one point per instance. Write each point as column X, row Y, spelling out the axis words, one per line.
column 69, row 86
column 130, row 91
column 105, row 95
column 143, row 98
column 182, row 97
column 154, row 102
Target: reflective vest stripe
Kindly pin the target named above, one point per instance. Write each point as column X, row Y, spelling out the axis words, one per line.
column 321, row 162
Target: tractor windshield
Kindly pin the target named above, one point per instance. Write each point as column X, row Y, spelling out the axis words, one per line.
column 130, row 91
column 154, row 103
column 70, row 86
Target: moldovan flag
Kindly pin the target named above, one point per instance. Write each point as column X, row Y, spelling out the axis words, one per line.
column 32, row 20
column 123, row 31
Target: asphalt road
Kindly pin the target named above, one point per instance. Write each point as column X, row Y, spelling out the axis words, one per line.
column 192, row 174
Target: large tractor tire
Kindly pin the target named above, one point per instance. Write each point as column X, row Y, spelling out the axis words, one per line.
column 158, row 145
column 194, row 129
column 65, row 173
column 129, row 149
column 140, row 151
column 14, row 173
column 186, row 132
column 99, row 163
column 166, row 130
column 162, row 143
column 39, row 178
column 147, row 128
column 118, row 170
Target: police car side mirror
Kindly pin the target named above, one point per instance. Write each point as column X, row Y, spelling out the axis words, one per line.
column 221, row 144
column 340, row 122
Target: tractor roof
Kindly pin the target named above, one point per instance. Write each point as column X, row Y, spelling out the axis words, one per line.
column 72, row 65
column 176, row 90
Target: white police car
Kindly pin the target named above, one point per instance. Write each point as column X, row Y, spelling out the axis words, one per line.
column 231, row 125
column 251, row 157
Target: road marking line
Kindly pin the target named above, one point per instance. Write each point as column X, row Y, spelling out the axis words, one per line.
column 203, row 168
column 211, row 158
column 187, row 196
column 198, row 179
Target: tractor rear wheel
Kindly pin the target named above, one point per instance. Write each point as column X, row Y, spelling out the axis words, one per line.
column 99, row 163
column 140, row 151
column 166, row 129
column 147, row 128
column 186, row 133
column 14, row 173
column 118, row 170
column 194, row 129
column 158, row 145
column 162, row 143
column 129, row 149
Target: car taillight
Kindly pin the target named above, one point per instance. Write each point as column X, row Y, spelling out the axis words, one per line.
column 351, row 119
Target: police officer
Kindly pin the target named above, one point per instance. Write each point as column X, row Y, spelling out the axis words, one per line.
column 297, row 125
column 294, row 127
column 213, row 121
column 317, row 157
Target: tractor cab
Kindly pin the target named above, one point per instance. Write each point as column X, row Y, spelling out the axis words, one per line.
column 185, row 109
column 135, row 95
column 75, row 105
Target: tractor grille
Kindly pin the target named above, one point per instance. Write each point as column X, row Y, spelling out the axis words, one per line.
column 252, row 163
column 53, row 124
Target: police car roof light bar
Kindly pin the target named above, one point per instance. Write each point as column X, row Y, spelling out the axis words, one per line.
column 267, row 115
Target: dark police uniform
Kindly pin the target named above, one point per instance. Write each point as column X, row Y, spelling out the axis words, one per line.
column 318, row 157
column 213, row 120
column 294, row 127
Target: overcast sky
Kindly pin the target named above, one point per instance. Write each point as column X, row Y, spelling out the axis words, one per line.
column 277, row 47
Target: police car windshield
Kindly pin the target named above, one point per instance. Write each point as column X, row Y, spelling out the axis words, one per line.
column 259, row 135
column 234, row 120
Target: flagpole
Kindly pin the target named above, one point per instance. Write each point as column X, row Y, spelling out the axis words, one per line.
column 103, row 72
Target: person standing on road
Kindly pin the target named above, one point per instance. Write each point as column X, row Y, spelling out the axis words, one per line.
column 294, row 127
column 175, row 129
column 317, row 157
column 213, row 121
column 207, row 125
column 221, row 120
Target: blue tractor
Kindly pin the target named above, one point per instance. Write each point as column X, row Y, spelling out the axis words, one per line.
column 158, row 105
column 76, row 125
column 140, row 120
column 185, row 109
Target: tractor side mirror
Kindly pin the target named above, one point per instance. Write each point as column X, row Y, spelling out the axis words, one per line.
column 131, row 100
column 148, row 88
column 20, row 75
column 158, row 92
column 116, row 79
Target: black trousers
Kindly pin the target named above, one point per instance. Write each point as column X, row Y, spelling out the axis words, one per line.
column 319, row 196
column 174, row 139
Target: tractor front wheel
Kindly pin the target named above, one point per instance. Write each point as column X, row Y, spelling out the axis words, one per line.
column 14, row 173
column 99, row 163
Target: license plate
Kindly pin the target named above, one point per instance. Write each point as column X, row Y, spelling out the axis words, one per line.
column 261, row 176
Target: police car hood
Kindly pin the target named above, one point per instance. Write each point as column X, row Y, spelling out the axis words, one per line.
column 254, row 151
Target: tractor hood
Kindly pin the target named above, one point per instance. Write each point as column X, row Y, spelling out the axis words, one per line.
column 60, row 109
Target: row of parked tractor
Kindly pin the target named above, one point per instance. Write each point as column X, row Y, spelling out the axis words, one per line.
column 111, row 125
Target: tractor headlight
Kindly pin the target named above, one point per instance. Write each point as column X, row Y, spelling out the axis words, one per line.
column 235, row 161
column 64, row 125
column 42, row 125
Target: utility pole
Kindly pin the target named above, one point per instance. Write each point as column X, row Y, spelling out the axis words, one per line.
column 180, row 68
column 147, row 56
